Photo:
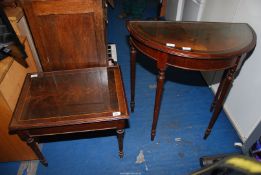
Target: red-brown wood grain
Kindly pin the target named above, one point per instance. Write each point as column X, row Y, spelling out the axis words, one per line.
column 210, row 46
column 70, row 101
column 78, row 91
column 68, row 34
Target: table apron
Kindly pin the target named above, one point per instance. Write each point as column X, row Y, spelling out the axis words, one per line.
column 196, row 64
column 45, row 131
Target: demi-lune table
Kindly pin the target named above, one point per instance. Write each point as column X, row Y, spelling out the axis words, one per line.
column 198, row 46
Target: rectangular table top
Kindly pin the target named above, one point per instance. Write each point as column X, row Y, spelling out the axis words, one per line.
column 70, row 97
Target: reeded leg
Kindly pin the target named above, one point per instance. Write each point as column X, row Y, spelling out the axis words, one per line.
column 227, row 82
column 133, row 76
column 120, row 133
column 220, row 87
column 160, row 83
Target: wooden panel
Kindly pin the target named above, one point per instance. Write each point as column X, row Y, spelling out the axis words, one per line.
column 5, row 64
column 13, row 79
column 12, row 84
column 11, row 147
column 13, row 74
column 14, row 15
column 69, row 48
column 68, row 34
column 19, row 24
column 63, row 7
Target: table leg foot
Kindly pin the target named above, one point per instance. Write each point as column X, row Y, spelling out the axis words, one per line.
column 160, row 82
column 120, row 133
column 152, row 136
column 207, row 132
column 219, row 101
column 44, row 162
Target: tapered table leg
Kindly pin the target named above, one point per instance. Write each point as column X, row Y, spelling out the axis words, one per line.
column 227, row 82
column 133, row 76
column 160, row 83
column 34, row 146
column 120, row 133
column 220, row 87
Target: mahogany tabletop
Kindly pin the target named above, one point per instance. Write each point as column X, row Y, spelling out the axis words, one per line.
column 70, row 97
column 195, row 39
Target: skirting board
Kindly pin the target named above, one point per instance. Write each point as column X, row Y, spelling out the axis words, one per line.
column 253, row 137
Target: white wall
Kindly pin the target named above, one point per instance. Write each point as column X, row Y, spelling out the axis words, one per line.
column 174, row 10
column 193, row 9
column 244, row 101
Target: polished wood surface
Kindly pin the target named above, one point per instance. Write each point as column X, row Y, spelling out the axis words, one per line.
column 78, row 91
column 68, row 34
column 68, row 102
column 206, row 39
column 73, row 96
column 202, row 46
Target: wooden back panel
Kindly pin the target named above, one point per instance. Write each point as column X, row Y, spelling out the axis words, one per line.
column 69, row 34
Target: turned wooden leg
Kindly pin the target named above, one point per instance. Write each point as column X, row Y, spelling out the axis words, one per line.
column 220, row 87
column 160, row 83
column 227, row 82
column 120, row 133
column 34, row 146
column 133, row 76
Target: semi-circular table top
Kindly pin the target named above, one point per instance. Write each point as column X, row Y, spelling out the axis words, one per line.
column 210, row 40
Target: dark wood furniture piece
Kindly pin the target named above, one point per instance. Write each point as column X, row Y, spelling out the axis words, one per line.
column 73, row 25
column 70, row 101
column 80, row 92
column 200, row 46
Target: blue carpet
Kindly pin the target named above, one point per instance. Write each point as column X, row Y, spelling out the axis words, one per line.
column 9, row 168
column 184, row 115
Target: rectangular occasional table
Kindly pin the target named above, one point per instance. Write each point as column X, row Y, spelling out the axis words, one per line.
column 72, row 101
